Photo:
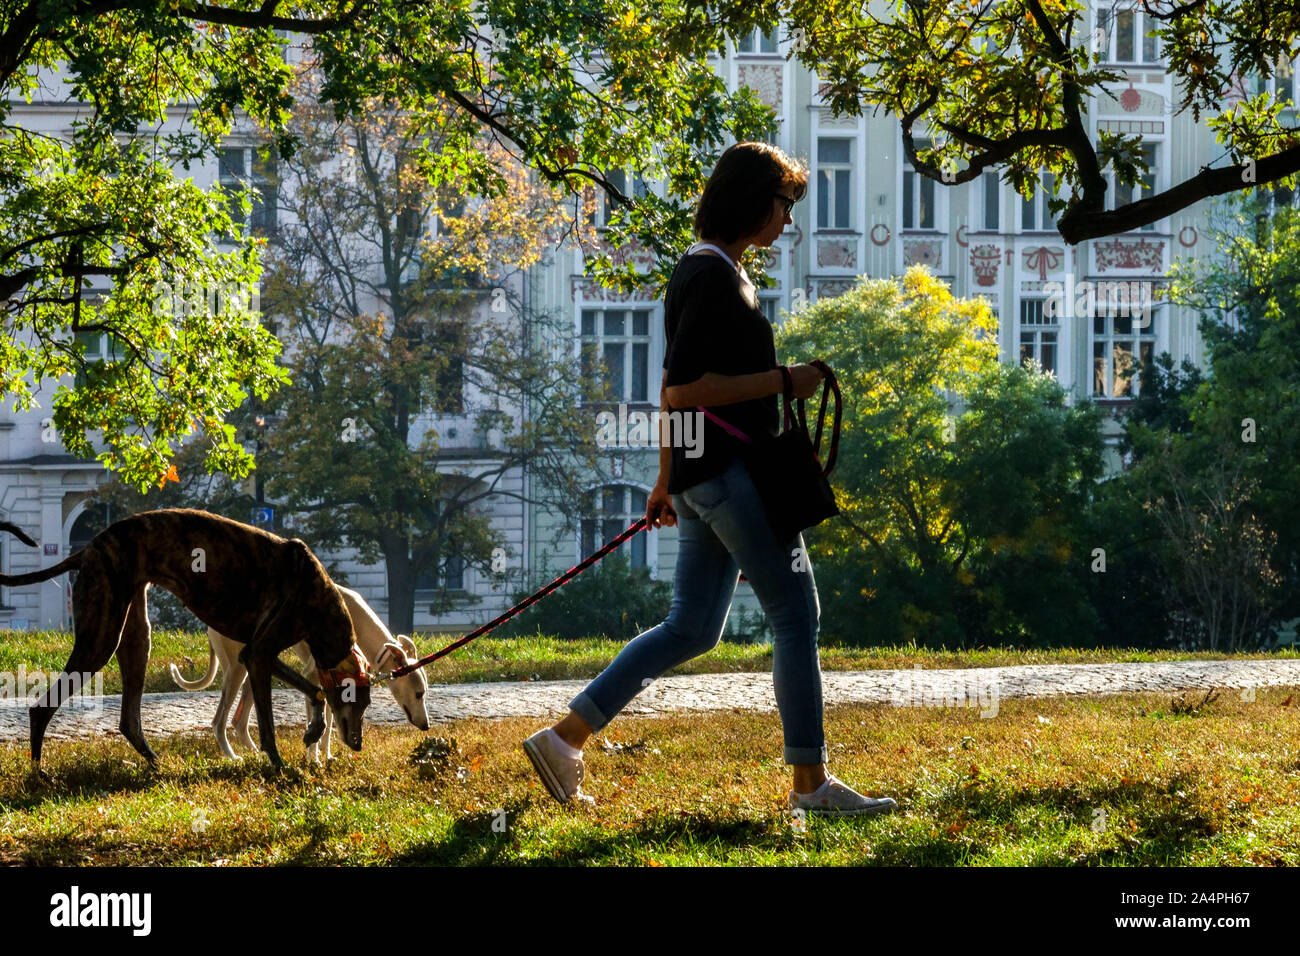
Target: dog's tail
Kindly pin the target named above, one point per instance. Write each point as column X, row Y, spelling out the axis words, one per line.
column 70, row 563
column 204, row 681
column 17, row 532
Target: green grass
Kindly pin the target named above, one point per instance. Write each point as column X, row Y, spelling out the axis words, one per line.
column 548, row 658
column 1119, row 780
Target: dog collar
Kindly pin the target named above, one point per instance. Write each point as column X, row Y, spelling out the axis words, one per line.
column 350, row 668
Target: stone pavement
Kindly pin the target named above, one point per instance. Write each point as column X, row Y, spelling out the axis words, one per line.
column 171, row 713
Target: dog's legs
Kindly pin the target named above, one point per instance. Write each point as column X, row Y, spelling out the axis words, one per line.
column 314, row 708
column 132, row 658
column 100, row 615
column 259, row 680
column 232, row 685
column 244, row 709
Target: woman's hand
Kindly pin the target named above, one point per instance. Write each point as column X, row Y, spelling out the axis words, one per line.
column 806, row 379
column 659, row 508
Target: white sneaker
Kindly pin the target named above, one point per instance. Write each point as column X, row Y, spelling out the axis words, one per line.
column 561, row 773
column 836, row 798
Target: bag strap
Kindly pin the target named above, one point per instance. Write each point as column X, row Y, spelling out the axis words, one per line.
column 740, row 270
column 726, row 426
column 830, row 386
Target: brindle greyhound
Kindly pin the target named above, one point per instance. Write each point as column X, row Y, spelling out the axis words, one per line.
column 255, row 587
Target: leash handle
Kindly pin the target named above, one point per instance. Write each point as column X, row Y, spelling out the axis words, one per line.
column 632, row 529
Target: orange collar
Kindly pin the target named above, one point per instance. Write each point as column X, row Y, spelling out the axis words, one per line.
column 351, row 668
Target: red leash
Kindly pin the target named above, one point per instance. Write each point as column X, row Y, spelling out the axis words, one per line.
column 563, row 579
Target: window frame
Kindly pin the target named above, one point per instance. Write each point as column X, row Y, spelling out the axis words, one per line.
column 629, row 511
column 909, row 210
column 989, row 180
column 1042, row 215
column 755, row 38
column 1039, row 330
column 1137, row 191
column 265, row 188
column 1105, row 20
column 828, row 196
column 441, row 577
column 629, row 338
column 1139, row 338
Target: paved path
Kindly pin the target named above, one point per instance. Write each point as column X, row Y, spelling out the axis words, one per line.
column 982, row 688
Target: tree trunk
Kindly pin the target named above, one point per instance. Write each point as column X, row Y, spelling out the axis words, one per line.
column 401, row 585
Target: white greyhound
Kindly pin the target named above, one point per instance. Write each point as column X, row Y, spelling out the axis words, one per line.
column 376, row 642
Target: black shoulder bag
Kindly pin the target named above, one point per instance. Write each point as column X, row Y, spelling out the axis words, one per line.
column 786, row 470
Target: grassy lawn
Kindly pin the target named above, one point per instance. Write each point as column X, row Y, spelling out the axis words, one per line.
column 547, row 658
column 1121, row 780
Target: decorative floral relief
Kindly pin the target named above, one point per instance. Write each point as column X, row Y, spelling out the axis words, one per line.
column 984, row 260
column 764, row 79
column 923, row 252
column 1145, row 254
column 837, row 253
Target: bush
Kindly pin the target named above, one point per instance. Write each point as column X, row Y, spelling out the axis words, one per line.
column 613, row 600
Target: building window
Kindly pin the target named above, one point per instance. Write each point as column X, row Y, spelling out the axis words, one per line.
column 1144, row 188
column 771, row 306
column 620, row 340
column 918, row 196
column 1035, row 216
column 1123, row 34
column 454, row 209
column 1119, row 342
column 247, row 167
column 607, row 204
column 450, row 576
column 1038, row 336
column 757, row 41
column 834, row 182
column 610, row 510
column 1283, row 196
column 992, row 200
column 97, row 347
column 445, row 393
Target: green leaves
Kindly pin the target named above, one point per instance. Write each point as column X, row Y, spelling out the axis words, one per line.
column 1007, row 84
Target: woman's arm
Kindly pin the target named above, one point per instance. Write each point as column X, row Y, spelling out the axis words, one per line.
column 714, row 389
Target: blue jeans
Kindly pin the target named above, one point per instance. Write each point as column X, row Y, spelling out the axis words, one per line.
column 723, row 530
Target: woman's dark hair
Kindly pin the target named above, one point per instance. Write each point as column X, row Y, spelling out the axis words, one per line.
column 737, row 199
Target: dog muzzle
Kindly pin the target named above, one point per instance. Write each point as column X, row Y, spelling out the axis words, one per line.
column 352, row 667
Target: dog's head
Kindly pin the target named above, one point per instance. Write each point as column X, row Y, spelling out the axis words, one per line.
column 347, row 689
column 408, row 691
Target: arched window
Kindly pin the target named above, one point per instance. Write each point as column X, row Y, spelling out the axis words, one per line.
column 609, row 510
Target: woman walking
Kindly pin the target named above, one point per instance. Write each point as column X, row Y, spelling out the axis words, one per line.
column 720, row 355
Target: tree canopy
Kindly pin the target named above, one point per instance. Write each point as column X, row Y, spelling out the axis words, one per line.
column 98, row 229
column 1007, row 85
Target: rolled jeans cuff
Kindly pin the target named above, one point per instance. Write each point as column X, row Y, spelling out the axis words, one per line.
column 583, row 706
column 805, row 756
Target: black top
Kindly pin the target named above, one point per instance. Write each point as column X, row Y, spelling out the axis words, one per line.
column 710, row 327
